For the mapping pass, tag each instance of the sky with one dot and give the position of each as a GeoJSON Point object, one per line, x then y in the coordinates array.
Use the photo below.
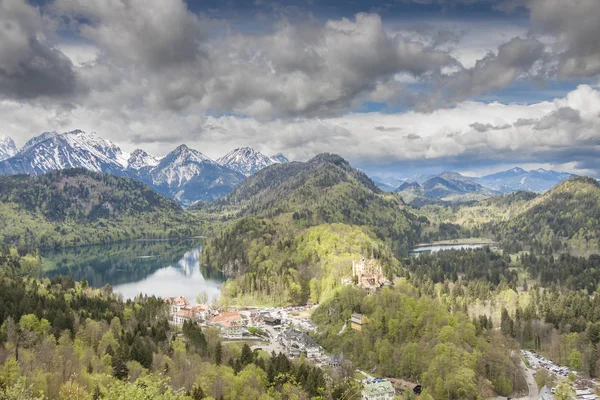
{"type": "Point", "coordinates": [397, 87]}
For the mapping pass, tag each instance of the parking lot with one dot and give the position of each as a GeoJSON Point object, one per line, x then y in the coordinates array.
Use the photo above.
{"type": "Point", "coordinates": [536, 361]}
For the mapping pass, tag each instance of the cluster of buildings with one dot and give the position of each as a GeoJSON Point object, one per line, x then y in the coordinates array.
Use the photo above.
{"type": "Point", "coordinates": [297, 343]}
{"type": "Point", "coordinates": [231, 323]}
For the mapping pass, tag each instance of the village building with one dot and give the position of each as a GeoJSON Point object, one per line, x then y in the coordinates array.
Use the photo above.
{"type": "Point", "coordinates": [297, 343]}
{"type": "Point", "coordinates": [357, 321]}
{"type": "Point", "coordinates": [336, 360]}
{"type": "Point", "coordinates": [378, 390]}
{"type": "Point", "coordinates": [180, 310]}
{"type": "Point", "coordinates": [202, 312]}
{"type": "Point", "coordinates": [368, 274]}
{"type": "Point", "coordinates": [230, 323]}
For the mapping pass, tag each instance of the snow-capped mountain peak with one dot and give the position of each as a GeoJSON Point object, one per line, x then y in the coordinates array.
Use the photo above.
{"type": "Point", "coordinates": [76, 149]}
{"type": "Point", "coordinates": [7, 147]}
{"type": "Point", "coordinates": [247, 161]}
{"type": "Point", "coordinates": [185, 154]}
{"type": "Point", "coordinates": [140, 159]}
{"type": "Point", "coordinates": [280, 158]}
{"type": "Point", "coordinates": [180, 166]}
{"type": "Point", "coordinates": [38, 139]}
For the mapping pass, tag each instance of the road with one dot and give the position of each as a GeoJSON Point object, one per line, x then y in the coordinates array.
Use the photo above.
{"type": "Point", "coordinates": [533, 389]}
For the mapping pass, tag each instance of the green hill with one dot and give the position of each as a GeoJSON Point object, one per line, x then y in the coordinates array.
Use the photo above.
{"type": "Point", "coordinates": [331, 210]}
{"type": "Point", "coordinates": [325, 189]}
{"type": "Point", "coordinates": [75, 207]}
{"type": "Point", "coordinates": [568, 216]}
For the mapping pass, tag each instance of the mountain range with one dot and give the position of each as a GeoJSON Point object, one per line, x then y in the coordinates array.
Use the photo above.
{"type": "Point", "coordinates": [452, 187]}
{"type": "Point", "coordinates": [185, 174]}
{"type": "Point", "coordinates": [517, 179]}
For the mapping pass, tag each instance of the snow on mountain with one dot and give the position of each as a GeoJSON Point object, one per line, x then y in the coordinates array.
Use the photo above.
{"type": "Point", "coordinates": [248, 161]}
{"type": "Point", "coordinates": [188, 176]}
{"type": "Point", "coordinates": [179, 167]}
{"type": "Point", "coordinates": [280, 158]}
{"type": "Point", "coordinates": [516, 179]}
{"type": "Point", "coordinates": [38, 139]}
{"type": "Point", "coordinates": [140, 159]}
{"type": "Point", "coordinates": [7, 147]}
{"type": "Point", "coordinates": [76, 149]}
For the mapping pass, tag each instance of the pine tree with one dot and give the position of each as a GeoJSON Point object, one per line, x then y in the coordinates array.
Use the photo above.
{"type": "Point", "coordinates": [218, 353]}
{"type": "Point", "coordinates": [119, 368]}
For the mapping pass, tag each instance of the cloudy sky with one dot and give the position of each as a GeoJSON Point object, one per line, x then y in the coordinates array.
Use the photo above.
{"type": "Point", "coordinates": [396, 86]}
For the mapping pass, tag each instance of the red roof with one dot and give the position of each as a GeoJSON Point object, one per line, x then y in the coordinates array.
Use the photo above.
{"type": "Point", "coordinates": [227, 318]}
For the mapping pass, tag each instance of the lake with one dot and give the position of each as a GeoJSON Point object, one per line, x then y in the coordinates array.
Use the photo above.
{"type": "Point", "coordinates": [160, 268]}
{"type": "Point", "coordinates": [440, 247]}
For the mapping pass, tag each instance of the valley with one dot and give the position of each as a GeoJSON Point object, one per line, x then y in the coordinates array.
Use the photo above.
{"type": "Point", "coordinates": [489, 274]}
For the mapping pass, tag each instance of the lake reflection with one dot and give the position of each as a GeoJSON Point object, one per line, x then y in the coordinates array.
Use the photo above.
{"type": "Point", "coordinates": [161, 268]}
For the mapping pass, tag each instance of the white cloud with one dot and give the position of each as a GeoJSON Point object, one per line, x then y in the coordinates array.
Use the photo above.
{"type": "Point", "coordinates": [565, 130]}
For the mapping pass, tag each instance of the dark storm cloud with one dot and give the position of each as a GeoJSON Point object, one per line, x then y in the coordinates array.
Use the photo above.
{"type": "Point", "coordinates": [30, 66]}
{"type": "Point", "coordinates": [563, 114]}
{"type": "Point", "coordinates": [495, 71]}
{"type": "Point", "coordinates": [297, 69]}
{"type": "Point", "coordinates": [574, 24]}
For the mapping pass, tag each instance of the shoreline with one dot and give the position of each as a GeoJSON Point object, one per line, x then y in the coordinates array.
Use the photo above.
{"type": "Point", "coordinates": [467, 241]}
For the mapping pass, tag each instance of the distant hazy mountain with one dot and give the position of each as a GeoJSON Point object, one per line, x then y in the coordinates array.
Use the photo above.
{"type": "Point", "coordinates": [280, 158]}
{"type": "Point", "coordinates": [517, 179]}
{"type": "Point", "coordinates": [248, 161]}
{"type": "Point", "coordinates": [7, 148]}
{"type": "Point", "coordinates": [447, 186]}
{"type": "Point", "coordinates": [385, 183]}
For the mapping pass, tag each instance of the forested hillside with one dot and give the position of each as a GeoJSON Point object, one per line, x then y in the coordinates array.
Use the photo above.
{"type": "Point", "coordinates": [303, 222]}
{"type": "Point", "coordinates": [415, 337]}
{"type": "Point", "coordinates": [325, 189]}
{"type": "Point", "coordinates": [75, 207]}
{"type": "Point", "coordinates": [566, 218]}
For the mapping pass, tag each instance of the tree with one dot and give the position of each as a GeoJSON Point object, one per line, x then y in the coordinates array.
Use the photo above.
{"type": "Point", "coordinates": [218, 353]}
{"type": "Point", "coordinates": [575, 360]}
{"type": "Point", "coordinates": [119, 368]}
{"type": "Point", "coordinates": [247, 356]}
{"type": "Point", "coordinates": [202, 298]}
{"type": "Point", "coordinates": [564, 391]}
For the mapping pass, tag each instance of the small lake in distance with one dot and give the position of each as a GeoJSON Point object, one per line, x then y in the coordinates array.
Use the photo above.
{"type": "Point", "coordinates": [439, 247]}
{"type": "Point", "coordinates": [160, 268]}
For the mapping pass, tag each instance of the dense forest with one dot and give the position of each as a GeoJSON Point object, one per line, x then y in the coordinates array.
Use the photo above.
{"type": "Point", "coordinates": [270, 268]}
{"type": "Point", "coordinates": [77, 207]}
{"type": "Point", "coordinates": [412, 336]}
{"type": "Point", "coordinates": [545, 303]}
{"type": "Point", "coordinates": [63, 339]}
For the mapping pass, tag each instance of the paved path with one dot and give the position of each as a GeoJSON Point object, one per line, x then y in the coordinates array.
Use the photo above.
{"type": "Point", "coordinates": [533, 389]}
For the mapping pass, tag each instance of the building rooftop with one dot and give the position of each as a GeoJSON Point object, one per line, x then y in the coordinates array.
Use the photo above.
{"type": "Point", "coordinates": [378, 388]}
